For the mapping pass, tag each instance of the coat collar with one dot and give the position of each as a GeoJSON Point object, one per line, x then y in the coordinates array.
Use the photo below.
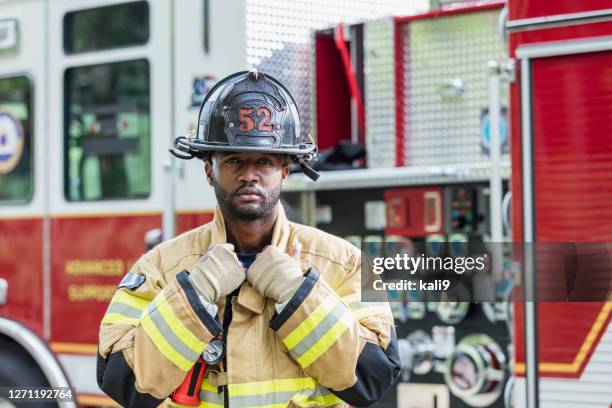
{"type": "Point", "coordinates": [248, 297]}
{"type": "Point", "coordinates": [281, 234]}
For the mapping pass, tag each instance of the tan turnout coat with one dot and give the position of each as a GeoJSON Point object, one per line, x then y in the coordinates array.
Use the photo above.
{"type": "Point", "coordinates": [291, 358]}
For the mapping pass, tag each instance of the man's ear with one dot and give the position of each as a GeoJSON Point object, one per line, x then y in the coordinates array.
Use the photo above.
{"type": "Point", "coordinates": [285, 173]}
{"type": "Point", "coordinates": [208, 169]}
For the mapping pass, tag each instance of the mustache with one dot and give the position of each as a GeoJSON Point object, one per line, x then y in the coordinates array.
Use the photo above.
{"type": "Point", "coordinates": [259, 190]}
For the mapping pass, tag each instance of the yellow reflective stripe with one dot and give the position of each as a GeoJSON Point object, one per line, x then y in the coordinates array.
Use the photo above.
{"type": "Point", "coordinates": [328, 399]}
{"type": "Point", "coordinates": [123, 296]}
{"type": "Point", "coordinates": [163, 346]}
{"type": "Point", "coordinates": [310, 322]}
{"type": "Point", "coordinates": [179, 328]}
{"type": "Point", "coordinates": [123, 301]}
{"type": "Point", "coordinates": [326, 340]}
{"type": "Point", "coordinates": [117, 318]}
{"type": "Point", "coordinates": [209, 395]}
{"type": "Point", "coordinates": [332, 318]}
{"type": "Point", "coordinates": [309, 401]}
{"type": "Point", "coordinates": [209, 405]}
{"type": "Point", "coordinates": [264, 387]}
{"type": "Point", "coordinates": [265, 394]}
{"type": "Point", "coordinates": [206, 386]}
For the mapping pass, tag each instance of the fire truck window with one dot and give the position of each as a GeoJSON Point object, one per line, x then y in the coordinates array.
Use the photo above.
{"type": "Point", "coordinates": [16, 154]}
{"type": "Point", "coordinates": [107, 131]}
{"type": "Point", "coordinates": [107, 27]}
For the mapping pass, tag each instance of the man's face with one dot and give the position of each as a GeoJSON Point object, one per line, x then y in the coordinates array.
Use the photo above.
{"type": "Point", "coordinates": [247, 185]}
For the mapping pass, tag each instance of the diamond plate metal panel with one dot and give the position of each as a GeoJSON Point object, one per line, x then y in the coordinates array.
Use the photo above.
{"type": "Point", "coordinates": [445, 86]}
{"type": "Point", "coordinates": [279, 33]}
{"type": "Point", "coordinates": [379, 57]}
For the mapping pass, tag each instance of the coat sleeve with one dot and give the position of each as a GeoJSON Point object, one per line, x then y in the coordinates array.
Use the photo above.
{"type": "Point", "coordinates": [348, 346]}
{"type": "Point", "coordinates": [151, 335]}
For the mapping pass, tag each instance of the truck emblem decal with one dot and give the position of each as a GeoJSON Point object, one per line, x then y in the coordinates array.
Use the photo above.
{"type": "Point", "coordinates": [11, 142]}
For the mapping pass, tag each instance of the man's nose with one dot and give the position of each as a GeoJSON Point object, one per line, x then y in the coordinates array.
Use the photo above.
{"type": "Point", "coordinates": [249, 173]}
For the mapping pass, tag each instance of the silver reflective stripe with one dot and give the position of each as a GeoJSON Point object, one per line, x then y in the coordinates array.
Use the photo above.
{"type": "Point", "coordinates": [308, 395]}
{"type": "Point", "coordinates": [171, 337]}
{"type": "Point", "coordinates": [318, 397]}
{"type": "Point", "coordinates": [124, 309]}
{"type": "Point", "coordinates": [307, 342]}
{"type": "Point", "coordinates": [271, 398]}
{"type": "Point", "coordinates": [321, 391]}
{"type": "Point", "coordinates": [262, 399]}
{"type": "Point", "coordinates": [211, 397]}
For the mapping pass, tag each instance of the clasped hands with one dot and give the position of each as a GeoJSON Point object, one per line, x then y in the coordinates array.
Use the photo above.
{"type": "Point", "coordinates": [274, 273]}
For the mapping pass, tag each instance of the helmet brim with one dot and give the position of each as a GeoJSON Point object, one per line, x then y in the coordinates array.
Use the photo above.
{"type": "Point", "coordinates": [210, 147]}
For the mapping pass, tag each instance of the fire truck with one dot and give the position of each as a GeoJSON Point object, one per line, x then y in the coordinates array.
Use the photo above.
{"type": "Point", "coordinates": [481, 121]}
{"type": "Point", "coordinates": [560, 175]}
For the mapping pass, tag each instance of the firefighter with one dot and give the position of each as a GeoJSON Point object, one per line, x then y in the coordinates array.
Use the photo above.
{"type": "Point", "coordinates": [274, 305]}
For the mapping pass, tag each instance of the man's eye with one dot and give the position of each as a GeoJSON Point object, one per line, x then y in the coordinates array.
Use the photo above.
{"type": "Point", "coordinates": [232, 161]}
{"type": "Point", "coordinates": [264, 161]}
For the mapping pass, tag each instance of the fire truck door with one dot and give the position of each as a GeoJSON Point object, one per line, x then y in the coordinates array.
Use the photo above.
{"type": "Point", "coordinates": [22, 164]}
{"type": "Point", "coordinates": [566, 94]}
{"type": "Point", "coordinates": [109, 126]}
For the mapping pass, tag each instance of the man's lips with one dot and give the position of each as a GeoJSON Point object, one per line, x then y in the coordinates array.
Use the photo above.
{"type": "Point", "coordinates": [248, 191]}
{"type": "Point", "coordinates": [247, 197]}
{"type": "Point", "coordinates": [248, 194]}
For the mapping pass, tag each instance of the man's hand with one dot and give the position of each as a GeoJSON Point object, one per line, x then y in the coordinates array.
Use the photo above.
{"type": "Point", "coordinates": [275, 274]}
{"type": "Point", "coordinates": [217, 273]}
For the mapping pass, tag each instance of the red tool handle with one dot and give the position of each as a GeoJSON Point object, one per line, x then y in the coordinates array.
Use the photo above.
{"type": "Point", "coordinates": [188, 393]}
{"type": "Point", "coordinates": [351, 77]}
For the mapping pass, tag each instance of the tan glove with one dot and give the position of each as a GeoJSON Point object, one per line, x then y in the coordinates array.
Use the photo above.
{"type": "Point", "coordinates": [217, 273]}
{"type": "Point", "coordinates": [275, 274]}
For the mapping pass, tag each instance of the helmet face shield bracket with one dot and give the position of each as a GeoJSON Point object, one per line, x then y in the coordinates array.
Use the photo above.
{"type": "Point", "coordinates": [249, 112]}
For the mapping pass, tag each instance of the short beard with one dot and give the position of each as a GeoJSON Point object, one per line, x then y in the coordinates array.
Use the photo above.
{"type": "Point", "coordinates": [268, 202]}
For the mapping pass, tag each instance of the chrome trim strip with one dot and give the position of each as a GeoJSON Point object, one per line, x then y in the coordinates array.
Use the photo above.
{"type": "Point", "coordinates": [45, 183]}
{"type": "Point", "coordinates": [559, 20]}
{"type": "Point", "coordinates": [531, 316]}
{"type": "Point", "coordinates": [557, 48]}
